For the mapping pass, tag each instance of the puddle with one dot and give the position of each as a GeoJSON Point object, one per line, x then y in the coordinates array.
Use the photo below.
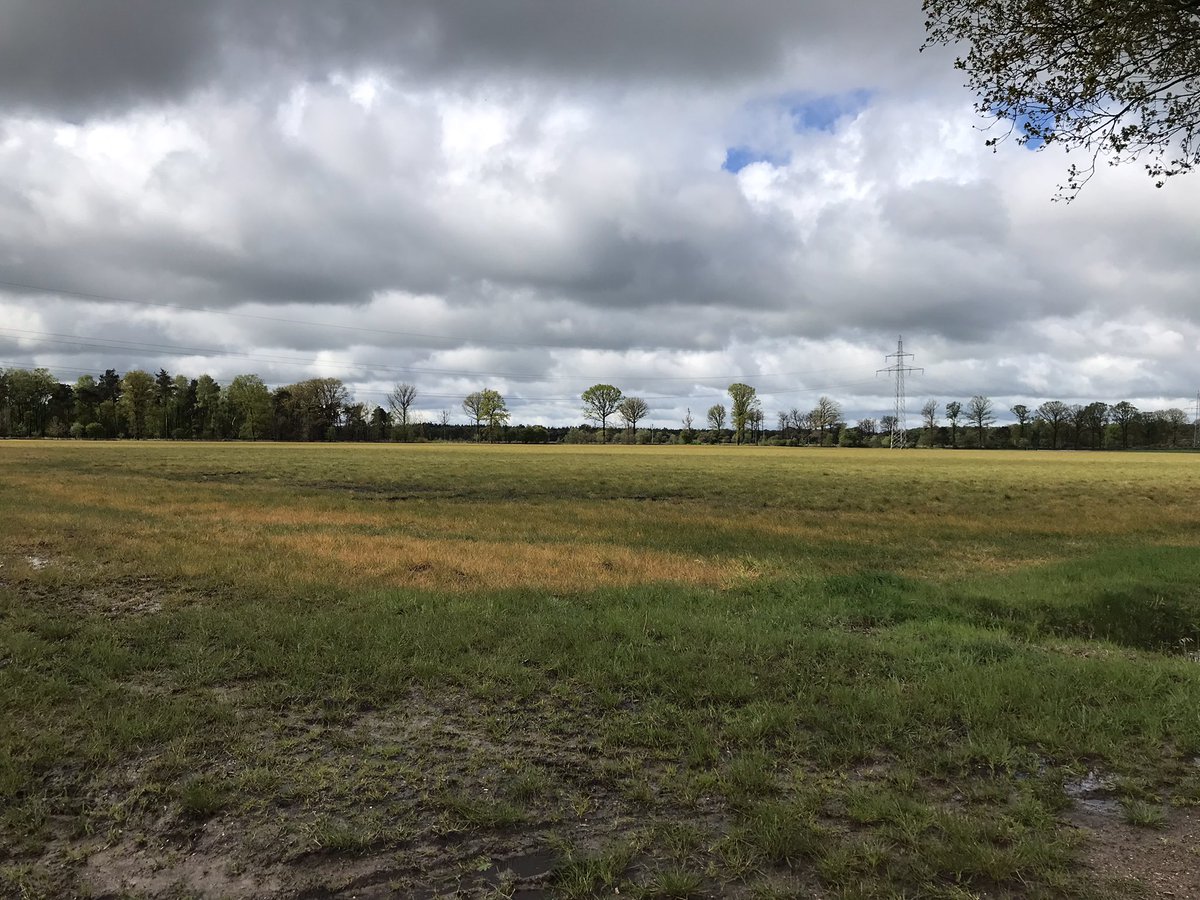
{"type": "Point", "coordinates": [37, 563]}
{"type": "Point", "coordinates": [1093, 792]}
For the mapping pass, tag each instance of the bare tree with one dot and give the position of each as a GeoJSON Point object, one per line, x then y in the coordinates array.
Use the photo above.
{"type": "Point", "coordinates": [1054, 413]}
{"type": "Point", "coordinates": [979, 411]}
{"type": "Point", "coordinates": [632, 410]}
{"type": "Point", "coordinates": [825, 415]}
{"type": "Point", "coordinates": [401, 399]}
{"type": "Point", "coordinates": [929, 414]}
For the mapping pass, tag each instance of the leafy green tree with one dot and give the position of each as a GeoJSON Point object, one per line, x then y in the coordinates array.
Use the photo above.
{"type": "Point", "coordinates": [716, 420]}
{"type": "Point", "coordinates": [1116, 79]}
{"type": "Point", "coordinates": [742, 401]}
{"type": "Point", "coordinates": [109, 385]}
{"type": "Point", "coordinates": [953, 413]}
{"type": "Point", "coordinates": [599, 402]}
{"type": "Point", "coordinates": [495, 412]}
{"type": "Point", "coordinates": [87, 399]}
{"type": "Point", "coordinates": [632, 410]}
{"type": "Point", "coordinates": [208, 401]}
{"type": "Point", "coordinates": [381, 423]}
{"type": "Point", "coordinates": [486, 406]}
{"type": "Point", "coordinates": [183, 407]}
{"type": "Point", "coordinates": [354, 424]}
{"type": "Point", "coordinates": [315, 407]}
{"type": "Point", "coordinates": [164, 393]}
{"type": "Point", "coordinates": [137, 391]}
{"type": "Point", "coordinates": [5, 403]}
{"type": "Point", "coordinates": [250, 405]}
{"type": "Point", "coordinates": [29, 394]}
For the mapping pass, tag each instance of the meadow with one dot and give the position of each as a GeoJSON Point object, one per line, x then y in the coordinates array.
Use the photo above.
{"type": "Point", "coordinates": [252, 670]}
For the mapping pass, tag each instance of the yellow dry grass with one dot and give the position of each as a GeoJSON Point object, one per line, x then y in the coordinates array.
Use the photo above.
{"type": "Point", "coordinates": [462, 565]}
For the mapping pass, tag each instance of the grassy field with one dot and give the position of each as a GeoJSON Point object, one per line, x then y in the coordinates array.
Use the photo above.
{"type": "Point", "coordinates": [367, 671]}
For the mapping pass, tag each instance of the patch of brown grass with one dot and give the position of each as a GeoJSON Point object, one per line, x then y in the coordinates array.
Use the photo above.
{"type": "Point", "coordinates": [464, 565]}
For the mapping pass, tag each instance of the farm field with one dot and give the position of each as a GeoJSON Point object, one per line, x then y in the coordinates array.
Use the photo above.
{"type": "Point", "coordinates": [254, 670]}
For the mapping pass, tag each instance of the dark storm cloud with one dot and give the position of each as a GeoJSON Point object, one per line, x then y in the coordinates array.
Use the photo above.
{"type": "Point", "coordinates": [76, 57]}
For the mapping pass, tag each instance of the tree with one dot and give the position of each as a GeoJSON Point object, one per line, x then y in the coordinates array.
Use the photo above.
{"type": "Point", "coordinates": [401, 399]}
{"type": "Point", "coordinates": [28, 397]}
{"type": "Point", "coordinates": [1175, 419]}
{"type": "Point", "coordinates": [381, 423]}
{"type": "Point", "coordinates": [1117, 79]}
{"type": "Point", "coordinates": [250, 403]}
{"type": "Point", "coordinates": [979, 411]}
{"type": "Point", "coordinates": [1095, 417]}
{"type": "Point", "coordinates": [755, 420]}
{"type": "Point", "coordinates": [1054, 413]}
{"type": "Point", "coordinates": [599, 402]}
{"type": "Point", "coordinates": [137, 387]}
{"type": "Point", "coordinates": [208, 398]}
{"type": "Point", "coordinates": [164, 391]}
{"type": "Point", "coordinates": [315, 407]}
{"type": "Point", "coordinates": [953, 411]}
{"type": "Point", "coordinates": [495, 411]}
{"type": "Point", "coordinates": [743, 401]}
{"type": "Point", "coordinates": [1124, 414]}
{"type": "Point", "coordinates": [486, 406]}
{"type": "Point", "coordinates": [716, 419]}
{"type": "Point", "coordinates": [474, 408]}
{"type": "Point", "coordinates": [1021, 411]}
{"type": "Point", "coordinates": [929, 415]}
{"type": "Point", "coordinates": [87, 399]}
{"type": "Point", "coordinates": [825, 415]}
{"type": "Point", "coordinates": [109, 386]}
{"type": "Point", "coordinates": [687, 434]}
{"type": "Point", "coordinates": [632, 410]}
{"type": "Point", "coordinates": [1077, 415]}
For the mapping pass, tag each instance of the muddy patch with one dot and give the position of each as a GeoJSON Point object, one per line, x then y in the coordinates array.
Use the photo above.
{"type": "Point", "coordinates": [1155, 862]}
{"type": "Point", "coordinates": [436, 796]}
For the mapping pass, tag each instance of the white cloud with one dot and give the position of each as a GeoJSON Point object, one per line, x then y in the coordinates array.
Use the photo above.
{"type": "Point", "coordinates": [562, 218]}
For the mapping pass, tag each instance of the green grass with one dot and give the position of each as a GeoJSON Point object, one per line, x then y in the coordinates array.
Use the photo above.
{"type": "Point", "coordinates": [689, 671]}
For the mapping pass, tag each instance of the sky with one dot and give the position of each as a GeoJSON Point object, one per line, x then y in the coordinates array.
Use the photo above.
{"type": "Point", "coordinates": [536, 197]}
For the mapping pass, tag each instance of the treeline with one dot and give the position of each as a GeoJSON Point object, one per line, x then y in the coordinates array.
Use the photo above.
{"type": "Point", "coordinates": [138, 405]}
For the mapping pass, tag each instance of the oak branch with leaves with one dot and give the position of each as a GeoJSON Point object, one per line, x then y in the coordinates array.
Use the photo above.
{"type": "Point", "coordinates": [1115, 80]}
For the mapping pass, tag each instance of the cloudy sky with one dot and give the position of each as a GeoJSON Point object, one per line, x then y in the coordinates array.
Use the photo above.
{"type": "Point", "coordinates": [539, 196]}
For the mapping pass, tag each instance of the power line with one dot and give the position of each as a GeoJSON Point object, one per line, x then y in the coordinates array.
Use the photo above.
{"type": "Point", "coordinates": [99, 343]}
